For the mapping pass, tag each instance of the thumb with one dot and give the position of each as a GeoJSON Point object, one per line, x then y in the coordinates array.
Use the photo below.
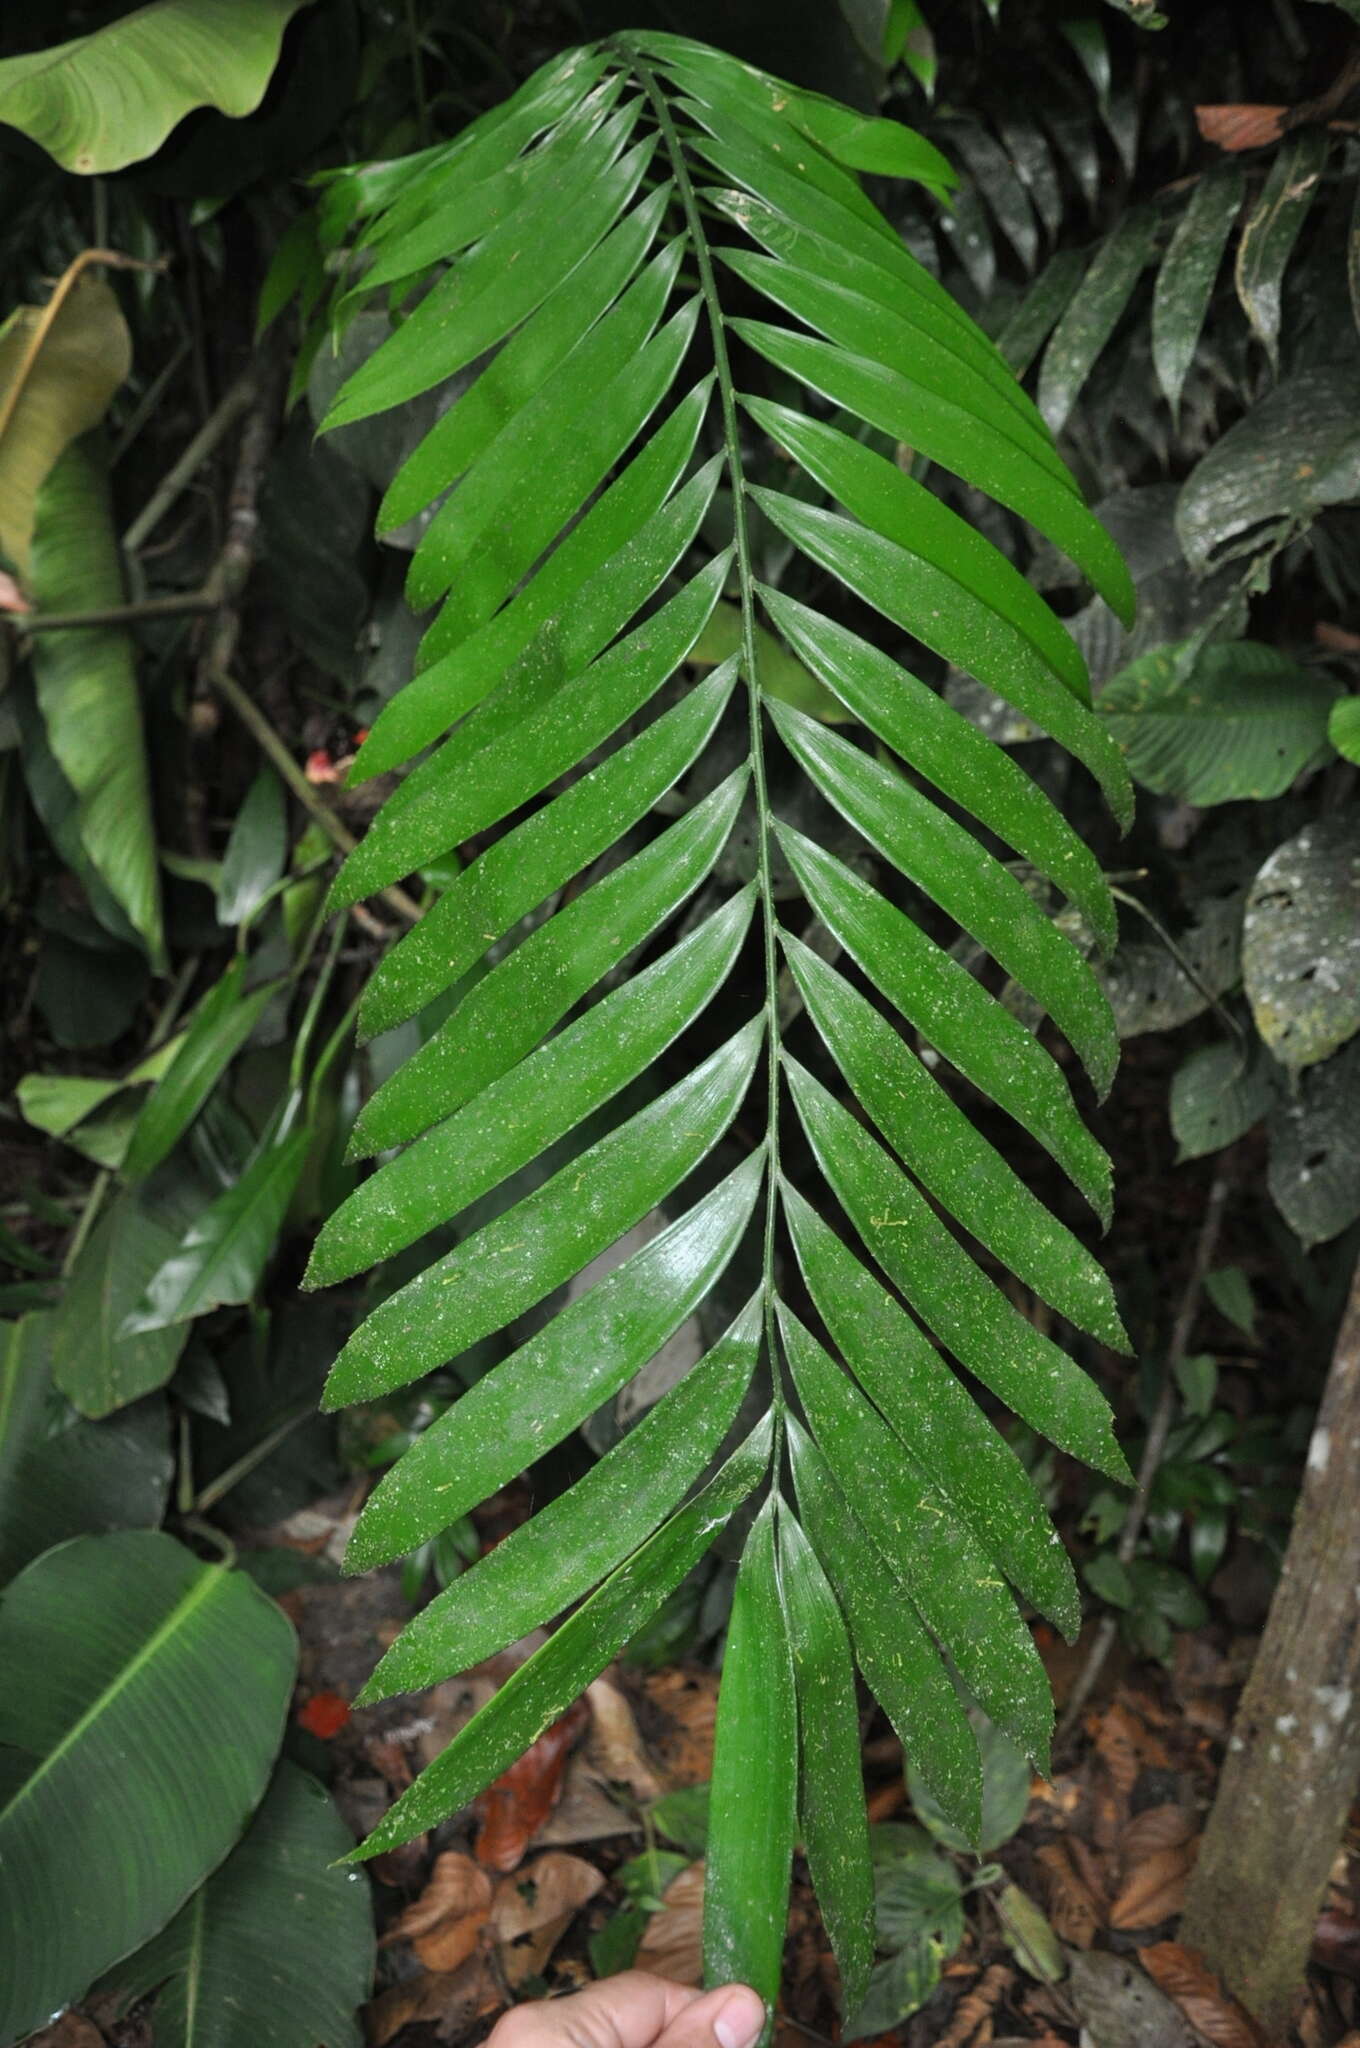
{"type": "Point", "coordinates": [731, 2017]}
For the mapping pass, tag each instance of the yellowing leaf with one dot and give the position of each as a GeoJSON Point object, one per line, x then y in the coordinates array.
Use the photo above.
{"type": "Point", "coordinates": [58, 371]}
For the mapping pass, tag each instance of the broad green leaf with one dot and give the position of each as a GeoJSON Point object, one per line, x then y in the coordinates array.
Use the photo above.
{"type": "Point", "coordinates": [952, 1581]}
{"type": "Point", "coordinates": [516, 1005]}
{"type": "Point", "coordinates": [1185, 281]}
{"type": "Point", "coordinates": [934, 1138]}
{"type": "Point", "coordinates": [513, 1262]}
{"type": "Point", "coordinates": [238, 1965]}
{"type": "Point", "coordinates": [86, 684]}
{"type": "Point", "coordinates": [753, 1803]}
{"type": "Point", "coordinates": [899, 1987]}
{"type": "Point", "coordinates": [552, 1383]}
{"type": "Point", "coordinates": [935, 1417]}
{"type": "Point", "coordinates": [57, 376]}
{"type": "Point", "coordinates": [952, 1011]}
{"type": "Point", "coordinates": [158, 1672]}
{"type": "Point", "coordinates": [110, 98]}
{"type": "Point", "coordinates": [831, 1812]}
{"type": "Point", "coordinates": [523, 868]}
{"type": "Point", "coordinates": [1314, 1170]}
{"type": "Point", "coordinates": [1230, 1292]}
{"type": "Point", "coordinates": [222, 1256]}
{"type": "Point", "coordinates": [221, 1025]}
{"type": "Point", "coordinates": [96, 1367]}
{"type": "Point", "coordinates": [944, 861]}
{"type": "Point", "coordinates": [949, 751]}
{"type": "Point", "coordinates": [536, 1103]}
{"type": "Point", "coordinates": [1217, 1095]}
{"type": "Point", "coordinates": [1301, 942]}
{"type": "Point", "coordinates": [1217, 724]}
{"type": "Point", "coordinates": [966, 1310]}
{"type": "Point", "coordinates": [581, 1535]}
{"type": "Point", "coordinates": [61, 1476]}
{"type": "Point", "coordinates": [891, 1647]}
{"type": "Point", "coordinates": [87, 1112]}
{"type": "Point", "coordinates": [1343, 727]}
{"type": "Point", "coordinates": [1092, 314]}
{"type": "Point", "coordinates": [544, 1687]}
{"type": "Point", "coordinates": [256, 851]}
{"type": "Point", "coordinates": [1296, 451]}
{"type": "Point", "coordinates": [1272, 228]}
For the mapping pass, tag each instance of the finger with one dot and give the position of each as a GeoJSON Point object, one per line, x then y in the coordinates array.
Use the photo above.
{"type": "Point", "coordinates": [730, 2017]}
{"type": "Point", "coordinates": [633, 2010]}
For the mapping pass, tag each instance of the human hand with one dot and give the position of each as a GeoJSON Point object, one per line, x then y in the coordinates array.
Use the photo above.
{"type": "Point", "coordinates": [636, 2011]}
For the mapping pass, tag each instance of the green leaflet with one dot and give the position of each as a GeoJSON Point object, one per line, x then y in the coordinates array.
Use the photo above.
{"type": "Point", "coordinates": [1272, 228]}
{"type": "Point", "coordinates": [754, 1786]}
{"type": "Point", "coordinates": [221, 1025]}
{"type": "Point", "coordinates": [832, 1819]}
{"type": "Point", "coordinates": [534, 1696]}
{"type": "Point", "coordinates": [583, 256]}
{"type": "Point", "coordinates": [555, 1557]}
{"type": "Point", "coordinates": [1185, 281]}
{"type": "Point", "coordinates": [1092, 314]}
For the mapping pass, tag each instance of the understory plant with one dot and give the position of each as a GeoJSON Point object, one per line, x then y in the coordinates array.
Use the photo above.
{"type": "Point", "coordinates": [695, 971]}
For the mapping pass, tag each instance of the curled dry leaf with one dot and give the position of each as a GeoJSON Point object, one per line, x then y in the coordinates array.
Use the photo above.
{"type": "Point", "coordinates": [614, 1747]}
{"type": "Point", "coordinates": [532, 1910]}
{"type": "Point", "coordinates": [973, 2013]}
{"type": "Point", "coordinates": [673, 1945]}
{"type": "Point", "coordinates": [1156, 1827]}
{"type": "Point", "coordinates": [511, 1810]}
{"type": "Point", "coordinates": [1185, 1976]}
{"type": "Point", "coordinates": [1121, 1743]}
{"type": "Point", "coordinates": [1072, 1906]}
{"type": "Point", "coordinates": [676, 1712]}
{"type": "Point", "coordinates": [444, 1924]}
{"type": "Point", "coordinates": [1155, 1890]}
{"type": "Point", "coordinates": [451, 2003]}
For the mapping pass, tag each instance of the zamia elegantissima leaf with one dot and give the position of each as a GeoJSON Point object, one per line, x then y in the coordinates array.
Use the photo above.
{"type": "Point", "coordinates": [682, 343]}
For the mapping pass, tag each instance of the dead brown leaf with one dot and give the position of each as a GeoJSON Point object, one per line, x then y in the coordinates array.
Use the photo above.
{"type": "Point", "coordinates": [1072, 1907]}
{"type": "Point", "coordinates": [676, 1711]}
{"type": "Point", "coordinates": [1336, 1943]}
{"type": "Point", "coordinates": [673, 1945]}
{"type": "Point", "coordinates": [450, 2002]}
{"type": "Point", "coordinates": [614, 1747]}
{"type": "Point", "coordinates": [972, 2017]}
{"type": "Point", "coordinates": [532, 1910]}
{"type": "Point", "coordinates": [1155, 1890]}
{"type": "Point", "coordinates": [1120, 1740]}
{"type": "Point", "coordinates": [1185, 1976]}
{"type": "Point", "coordinates": [1240, 127]}
{"type": "Point", "coordinates": [1156, 1827]}
{"type": "Point", "coordinates": [444, 1924]}
{"type": "Point", "coordinates": [72, 2030]}
{"type": "Point", "coordinates": [511, 1811]}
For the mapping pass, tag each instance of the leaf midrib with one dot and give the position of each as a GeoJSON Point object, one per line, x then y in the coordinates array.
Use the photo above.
{"type": "Point", "coordinates": [178, 1616]}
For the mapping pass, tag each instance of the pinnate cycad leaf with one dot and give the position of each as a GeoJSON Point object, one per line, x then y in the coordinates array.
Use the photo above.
{"type": "Point", "coordinates": [663, 273]}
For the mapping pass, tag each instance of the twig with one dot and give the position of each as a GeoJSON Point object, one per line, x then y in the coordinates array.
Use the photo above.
{"type": "Point", "coordinates": [173, 605]}
{"type": "Point", "coordinates": [234, 401]}
{"type": "Point", "coordinates": [1158, 1430]}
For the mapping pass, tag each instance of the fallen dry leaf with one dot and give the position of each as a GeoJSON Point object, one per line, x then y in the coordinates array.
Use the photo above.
{"type": "Point", "coordinates": [1240, 127]}
{"type": "Point", "coordinates": [676, 1711]}
{"type": "Point", "coordinates": [1156, 1827]}
{"type": "Point", "coordinates": [673, 1945]}
{"type": "Point", "coordinates": [1185, 1976]}
{"type": "Point", "coordinates": [1155, 1890]}
{"type": "Point", "coordinates": [532, 1910]}
{"type": "Point", "coordinates": [974, 2010]}
{"type": "Point", "coordinates": [72, 2030]}
{"type": "Point", "coordinates": [1072, 1907]}
{"type": "Point", "coordinates": [444, 1924]}
{"type": "Point", "coordinates": [1120, 1739]}
{"type": "Point", "coordinates": [450, 2002]}
{"type": "Point", "coordinates": [614, 1747]}
{"type": "Point", "coordinates": [511, 1810]}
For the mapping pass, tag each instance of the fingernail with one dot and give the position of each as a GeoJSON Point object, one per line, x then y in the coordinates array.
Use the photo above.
{"type": "Point", "coordinates": [739, 2019]}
